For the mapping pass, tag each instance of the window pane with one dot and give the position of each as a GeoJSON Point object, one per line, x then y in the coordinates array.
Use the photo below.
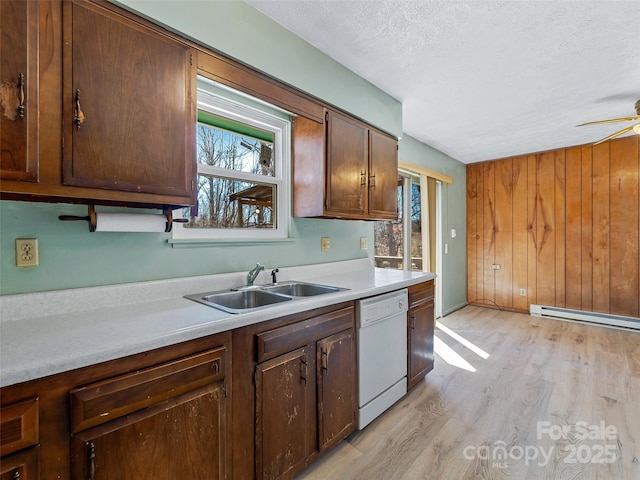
{"type": "Point", "coordinates": [388, 239]}
{"type": "Point", "coordinates": [226, 203]}
{"type": "Point", "coordinates": [226, 149]}
{"type": "Point", "coordinates": [416, 228]}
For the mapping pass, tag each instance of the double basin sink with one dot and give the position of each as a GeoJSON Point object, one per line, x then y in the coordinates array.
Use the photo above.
{"type": "Point", "coordinates": [244, 299]}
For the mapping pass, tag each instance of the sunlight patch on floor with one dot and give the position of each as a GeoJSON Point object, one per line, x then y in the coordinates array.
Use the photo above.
{"type": "Point", "coordinates": [474, 348]}
{"type": "Point", "coordinates": [446, 353]}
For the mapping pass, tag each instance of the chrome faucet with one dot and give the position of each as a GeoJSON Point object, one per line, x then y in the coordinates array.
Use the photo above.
{"type": "Point", "coordinates": [253, 273]}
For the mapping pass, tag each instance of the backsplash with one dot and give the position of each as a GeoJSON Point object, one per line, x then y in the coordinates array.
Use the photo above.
{"type": "Point", "coordinates": [72, 257]}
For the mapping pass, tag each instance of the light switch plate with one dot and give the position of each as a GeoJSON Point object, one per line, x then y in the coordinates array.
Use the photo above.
{"type": "Point", "coordinates": [325, 243]}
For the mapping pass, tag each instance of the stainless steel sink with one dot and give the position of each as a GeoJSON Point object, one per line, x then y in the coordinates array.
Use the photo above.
{"type": "Point", "coordinates": [260, 296]}
{"type": "Point", "coordinates": [235, 301]}
{"type": "Point", "coordinates": [300, 289]}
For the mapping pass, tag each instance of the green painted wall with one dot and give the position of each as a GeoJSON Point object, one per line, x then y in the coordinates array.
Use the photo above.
{"type": "Point", "coordinates": [454, 264]}
{"type": "Point", "coordinates": [71, 256]}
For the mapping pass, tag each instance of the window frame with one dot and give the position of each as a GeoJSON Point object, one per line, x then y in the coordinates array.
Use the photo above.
{"type": "Point", "coordinates": [236, 106]}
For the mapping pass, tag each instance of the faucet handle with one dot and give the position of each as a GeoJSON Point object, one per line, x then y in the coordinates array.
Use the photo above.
{"type": "Point", "coordinates": [273, 275]}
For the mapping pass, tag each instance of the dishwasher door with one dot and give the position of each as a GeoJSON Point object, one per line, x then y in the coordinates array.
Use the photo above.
{"type": "Point", "coordinates": [382, 354]}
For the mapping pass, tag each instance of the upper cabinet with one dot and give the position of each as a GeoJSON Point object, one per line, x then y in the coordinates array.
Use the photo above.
{"type": "Point", "coordinates": [383, 176]}
{"type": "Point", "coordinates": [347, 166]}
{"type": "Point", "coordinates": [344, 169]}
{"type": "Point", "coordinates": [98, 105]}
{"type": "Point", "coordinates": [128, 114]}
{"type": "Point", "coordinates": [19, 90]}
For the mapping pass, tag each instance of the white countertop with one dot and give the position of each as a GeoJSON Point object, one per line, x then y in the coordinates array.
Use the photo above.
{"type": "Point", "coordinates": [46, 333]}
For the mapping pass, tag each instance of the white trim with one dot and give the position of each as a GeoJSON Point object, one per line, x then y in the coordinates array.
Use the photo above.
{"type": "Point", "coordinates": [407, 183]}
{"type": "Point", "coordinates": [439, 251]}
{"type": "Point", "coordinates": [212, 99]}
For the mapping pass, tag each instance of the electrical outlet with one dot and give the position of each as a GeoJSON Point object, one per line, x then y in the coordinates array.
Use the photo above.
{"type": "Point", "coordinates": [523, 292]}
{"type": "Point", "coordinates": [364, 243]}
{"type": "Point", "coordinates": [325, 243]}
{"type": "Point", "coordinates": [26, 252]}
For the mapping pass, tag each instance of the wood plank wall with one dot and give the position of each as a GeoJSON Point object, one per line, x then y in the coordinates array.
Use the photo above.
{"type": "Point", "coordinates": [563, 225]}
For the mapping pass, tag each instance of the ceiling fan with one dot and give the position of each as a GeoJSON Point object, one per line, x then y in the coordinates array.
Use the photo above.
{"type": "Point", "coordinates": [635, 128]}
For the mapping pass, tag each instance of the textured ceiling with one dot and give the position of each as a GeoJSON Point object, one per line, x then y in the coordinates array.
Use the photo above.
{"type": "Point", "coordinates": [484, 79]}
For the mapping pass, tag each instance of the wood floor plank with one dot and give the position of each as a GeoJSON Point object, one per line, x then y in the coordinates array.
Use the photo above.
{"type": "Point", "coordinates": [541, 375]}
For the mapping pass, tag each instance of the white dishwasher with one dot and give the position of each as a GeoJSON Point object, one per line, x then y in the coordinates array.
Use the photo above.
{"type": "Point", "coordinates": [382, 353]}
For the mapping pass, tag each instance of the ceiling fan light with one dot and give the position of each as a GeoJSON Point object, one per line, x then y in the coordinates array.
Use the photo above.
{"type": "Point", "coordinates": [636, 128]}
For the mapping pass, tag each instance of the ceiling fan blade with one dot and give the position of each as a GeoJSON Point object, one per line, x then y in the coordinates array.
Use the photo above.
{"type": "Point", "coordinates": [625, 119]}
{"type": "Point", "coordinates": [624, 130]}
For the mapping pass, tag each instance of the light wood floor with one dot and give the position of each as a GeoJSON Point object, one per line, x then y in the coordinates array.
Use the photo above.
{"type": "Point", "coordinates": [453, 424]}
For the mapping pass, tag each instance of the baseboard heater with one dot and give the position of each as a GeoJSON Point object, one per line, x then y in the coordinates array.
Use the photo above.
{"type": "Point", "coordinates": [603, 319]}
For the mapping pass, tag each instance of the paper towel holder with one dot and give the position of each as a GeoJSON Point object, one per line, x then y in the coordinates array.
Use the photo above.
{"type": "Point", "coordinates": [92, 218]}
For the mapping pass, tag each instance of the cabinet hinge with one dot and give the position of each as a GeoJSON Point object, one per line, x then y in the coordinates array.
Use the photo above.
{"type": "Point", "coordinates": [191, 59]}
{"type": "Point", "coordinates": [224, 389]}
{"type": "Point", "coordinates": [326, 116]}
{"type": "Point", "coordinates": [193, 184]}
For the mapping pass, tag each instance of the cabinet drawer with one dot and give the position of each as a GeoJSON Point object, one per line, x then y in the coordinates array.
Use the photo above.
{"type": "Point", "coordinates": [109, 399]}
{"type": "Point", "coordinates": [421, 293]}
{"type": "Point", "coordinates": [285, 339]}
{"type": "Point", "coordinates": [18, 426]}
{"type": "Point", "coordinates": [21, 466]}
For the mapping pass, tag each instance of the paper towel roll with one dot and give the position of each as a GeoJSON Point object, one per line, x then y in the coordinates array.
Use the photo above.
{"type": "Point", "coordinates": [130, 222]}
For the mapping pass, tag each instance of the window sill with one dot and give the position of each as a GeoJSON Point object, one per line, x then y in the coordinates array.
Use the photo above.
{"type": "Point", "coordinates": [216, 242]}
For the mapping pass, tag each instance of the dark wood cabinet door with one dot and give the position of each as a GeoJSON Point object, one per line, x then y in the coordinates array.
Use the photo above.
{"type": "Point", "coordinates": [308, 149]}
{"type": "Point", "coordinates": [286, 415]}
{"type": "Point", "coordinates": [383, 176]}
{"type": "Point", "coordinates": [337, 384]}
{"type": "Point", "coordinates": [421, 327]}
{"type": "Point", "coordinates": [19, 90]}
{"type": "Point", "coordinates": [22, 465]}
{"type": "Point", "coordinates": [347, 166]}
{"type": "Point", "coordinates": [181, 438]}
{"type": "Point", "coordinates": [129, 107]}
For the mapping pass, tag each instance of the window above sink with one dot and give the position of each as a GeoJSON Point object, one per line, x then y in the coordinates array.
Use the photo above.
{"type": "Point", "coordinates": [243, 151]}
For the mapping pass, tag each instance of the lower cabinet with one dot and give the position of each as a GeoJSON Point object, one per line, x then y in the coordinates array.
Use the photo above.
{"type": "Point", "coordinates": [172, 412]}
{"type": "Point", "coordinates": [286, 415]}
{"type": "Point", "coordinates": [420, 332]}
{"type": "Point", "coordinates": [162, 414]}
{"type": "Point", "coordinates": [19, 437]}
{"type": "Point", "coordinates": [177, 441]}
{"type": "Point", "coordinates": [164, 422]}
{"type": "Point", "coordinates": [337, 384]}
{"type": "Point", "coordinates": [20, 466]}
{"type": "Point", "coordinates": [305, 392]}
